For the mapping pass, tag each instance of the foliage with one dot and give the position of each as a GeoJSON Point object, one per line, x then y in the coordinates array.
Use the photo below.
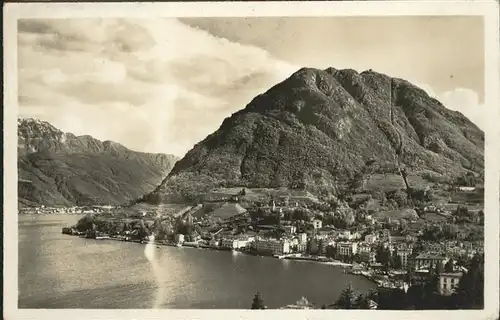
{"type": "Point", "coordinates": [257, 302]}
{"type": "Point", "coordinates": [398, 197]}
{"type": "Point", "coordinates": [351, 299]}
{"type": "Point", "coordinates": [448, 267]}
{"type": "Point", "coordinates": [446, 231]}
{"type": "Point", "coordinates": [468, 295]}
{"type": "Point", "coordinates": [85, 223]}
{"type": "Point", "coordinates": [470, 291]}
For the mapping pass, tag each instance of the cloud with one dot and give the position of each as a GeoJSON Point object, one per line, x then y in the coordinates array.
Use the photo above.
{"type": "Point", "coordinates": [152, 85]}
{"type": "Point", "coordinates": [465, 101]}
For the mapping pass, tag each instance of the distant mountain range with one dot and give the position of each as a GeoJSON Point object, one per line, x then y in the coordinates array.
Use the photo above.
{"type": "Point", "coordinates": [321, 128]}
{"type": "Point", "coordinates": [57, 168]}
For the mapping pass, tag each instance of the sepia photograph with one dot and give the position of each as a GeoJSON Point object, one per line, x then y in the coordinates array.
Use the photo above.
{"type": "Point", "coordinates": [252, 159]}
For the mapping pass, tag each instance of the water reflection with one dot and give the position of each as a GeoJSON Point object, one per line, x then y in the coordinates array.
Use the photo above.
{"type": "Point", "coordinates": [285, 263]}
{"type": "Point", "coordinates": [234, 255]}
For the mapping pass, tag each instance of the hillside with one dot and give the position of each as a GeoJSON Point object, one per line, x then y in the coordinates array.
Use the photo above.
{"type": "Point", "coordinates": [319, 128]}
{"type": "Point", "coordinates": [57, 168]}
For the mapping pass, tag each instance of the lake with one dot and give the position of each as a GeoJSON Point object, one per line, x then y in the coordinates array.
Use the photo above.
{"type": "Point", "coordinates": [61, 271]}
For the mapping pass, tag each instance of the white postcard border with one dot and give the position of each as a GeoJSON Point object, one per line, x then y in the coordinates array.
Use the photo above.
{"type": "Point", "coordinates": [487, 9]}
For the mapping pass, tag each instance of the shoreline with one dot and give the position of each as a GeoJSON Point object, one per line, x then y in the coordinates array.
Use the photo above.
{"type": "Point", "coordinates": [310, 259]}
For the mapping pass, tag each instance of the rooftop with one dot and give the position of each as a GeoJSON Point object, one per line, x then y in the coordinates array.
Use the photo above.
{"type": "Point", "coordinates": [430, 256]}
{"type": "Point", "coordinates": [451, 274]}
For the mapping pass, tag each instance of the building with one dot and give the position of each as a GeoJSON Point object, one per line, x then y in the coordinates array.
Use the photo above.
{"type": "Point", "coordinates": [236, 243]}
{"type": "Point", "coordinates": [467, 188]}
{"type": "Point", "coordinates": [404, 255]}
{"type": "Point", "coordinates": [290, 229]}
{"type": "Point", "coordinates": [302, 238]}
{"type": "Point", "coordinates": [214, 243]}
{"type": "Point", "coordinates": [420, 277]}
{"type": "Point", "coordinates": [272, 246]}
{"type": "Point", "coordinates": [317, 224]}
{"type": "Point", "coordinates": [367, 257]}
{"type": "Point", "coordinates": [355, 236]}
{"type": "Point", "coordinates": [397, 239]}
{"type": "Point", "coordinates": [245, 242]}
{"type": "Point", "coordinates": [429, 261]}
{"type": "Point", "coordinates": [228, 243]}
{"type": "Point", "coordinates": [325, 231]}
{"type": "Point", "coordinates": [448, 282]}
{"type": "Point", "coordinates": [364, 247]}
{"type": "Point", "coordinates": [343, 234]}
{"type": "Point", "coordinates": [301, 247]}
{"type": "Point", "coordinates": [347, 248]}
{"type": "Point", "coordinates": [371, 238]}
{"type": "Point", "coordinates": [179, 238]}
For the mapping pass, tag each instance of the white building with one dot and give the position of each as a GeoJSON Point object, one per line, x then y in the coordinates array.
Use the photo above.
{"type": "Point", "coordinates": [317, 224]}
{"type": "Point", "coordinates": [236, 243]}
{"type": "Point", "coordinates": [228, 243]}
{"type": "Point", "coordinates": [364, 247]}
{"type": "Point", "coordinates": [429, 261]}
{"type": "Point", "coordinates": [272, 246]}
{"type": "Point", "coordinates": [371, 238]}
{"type": "Point", "coordinates": [405, 255]}
{"type": "Point", "coordinates": [347, 248]}
{"type": "Point", "coordinates": [467, 188]}
{"type": "Point", "coordinates": [343, 234]}
{"type": "Point", "coordinates": [448, 282]}
{"type": "Point", "coordinates": [179, 238]}
{"type": "Point", "coordinates": [302, 237]}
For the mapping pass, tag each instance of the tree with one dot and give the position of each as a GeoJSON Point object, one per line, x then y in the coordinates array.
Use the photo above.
{"type": "Point", "coordinates": [470, 291]}
{"type": "Point", "coordinates": [400, 197]}
{"type": "Point", "coordinates": [125, 227]}
{"type": "Point", "coordinates": [448, 267]}
{"type": "Point", "coordinates": [258, 303]}
{"type": "Point", "coordinates": [383, 256]}
{"type": "Point", "coordinates": [415, 296]}
{"type": "Point", "coordinates": [347, 299]}
{"type": "Point", "coordinates": [143, 229]}
{"type": "Point", "coordinates": [85, 223]}
{"type": "Point", "coordinates": [439, 268]}
{"type": "Point", "coordinates": [362, 302]}
{"type": "Point", "coordinates": [396, 262]}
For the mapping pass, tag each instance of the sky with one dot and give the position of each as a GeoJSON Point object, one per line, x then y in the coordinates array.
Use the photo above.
{"type": "Point", "coordinates": [162, 85]}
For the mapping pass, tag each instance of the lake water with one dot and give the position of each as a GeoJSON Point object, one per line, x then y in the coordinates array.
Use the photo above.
{"type": "Point", "coordinates": [60, 271]}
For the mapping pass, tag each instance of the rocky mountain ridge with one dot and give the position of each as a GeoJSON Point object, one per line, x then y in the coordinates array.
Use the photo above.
{"type": "Point", "coordinates": [58, 168]}
{"type": "Point", "coordinates": [321, 127]}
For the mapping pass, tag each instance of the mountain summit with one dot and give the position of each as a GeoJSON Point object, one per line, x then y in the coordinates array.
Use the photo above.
{"type": "Point", "coordinates": [58, 168]}
{"type": "Point", "coordinates": [324, 126]}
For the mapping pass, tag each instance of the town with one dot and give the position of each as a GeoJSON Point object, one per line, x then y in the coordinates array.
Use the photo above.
{"type": "Point", "coordinates": [436, 240]}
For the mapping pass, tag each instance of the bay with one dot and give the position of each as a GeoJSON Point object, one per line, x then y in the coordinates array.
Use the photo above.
{"type": "Point", "coordinates": [61, 271]}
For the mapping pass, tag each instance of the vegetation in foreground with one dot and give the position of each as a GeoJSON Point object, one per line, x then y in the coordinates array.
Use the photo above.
{"type": "Point", "coordinates": [468, 295]}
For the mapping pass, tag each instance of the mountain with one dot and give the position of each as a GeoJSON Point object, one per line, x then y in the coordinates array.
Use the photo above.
{"type": "Point", "coordinates": [57, 168]}
{"type": "Point", "coordinates": [322, 127]}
